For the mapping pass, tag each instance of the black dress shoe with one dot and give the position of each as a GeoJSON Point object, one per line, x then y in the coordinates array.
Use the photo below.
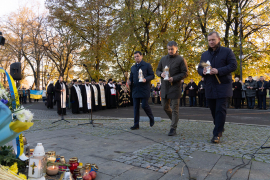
{"type": "Point", "coordinates": [134, 127]}
{"type": "Point", "coordinates": [152, 123]}
{"type": "Point", "coordinates": [172, 132]}
{"type": "Point", "coordinates": [215, 139]}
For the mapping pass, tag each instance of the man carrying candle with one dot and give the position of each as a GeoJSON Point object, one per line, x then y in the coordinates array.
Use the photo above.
{"type": "Point", "coordinates": [171, 89]}
{"type": "Point", "coordinates": [223, 62]}
{"type": "Point", "coordinates": [141, 90]}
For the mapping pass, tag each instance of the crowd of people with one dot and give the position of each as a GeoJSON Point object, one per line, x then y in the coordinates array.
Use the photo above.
{"type": "Point", "coordinates": [216, 89]}
{"type": "Point", "coordinates": [243, 93]}
{"type": "Point", "coordinates": [82, 97]}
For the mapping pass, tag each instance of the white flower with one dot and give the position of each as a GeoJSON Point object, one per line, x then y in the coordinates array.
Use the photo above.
{"type": "Point", "coordinates": [23, 115]}
{"type": "Point", "coordinates": [20, 115]}
{"type": "Point", "coordinates": [29, 115]}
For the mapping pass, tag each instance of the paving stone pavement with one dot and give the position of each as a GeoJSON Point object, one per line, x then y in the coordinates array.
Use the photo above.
{"type": "Point", "coordinates": [148, 153]}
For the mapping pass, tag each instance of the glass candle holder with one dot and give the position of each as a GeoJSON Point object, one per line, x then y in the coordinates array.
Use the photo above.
{"type": "Point", "coordinates": [52, 170]}
{"type": "Point", "coordinates": [51, 156]}
{"type": "Point", "coordinates": [85, 174]}
{"type": "Point", "coordinates": [73, 164]}
{"type": "Point", "coordinates": [76, 173]}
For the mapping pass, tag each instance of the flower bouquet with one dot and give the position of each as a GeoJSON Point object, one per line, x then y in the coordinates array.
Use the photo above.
{"type": "Point", "coordinates": [13, 118]}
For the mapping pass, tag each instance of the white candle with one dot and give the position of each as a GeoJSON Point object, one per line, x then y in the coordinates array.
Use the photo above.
{"type": "Point", "coordinates": [51, 159]}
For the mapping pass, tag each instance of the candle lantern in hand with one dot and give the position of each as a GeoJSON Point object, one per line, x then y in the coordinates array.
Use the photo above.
{"type": "Point", "coordinates": [166, 71]}
{"type": "Point", "coordinates": [141, 77]}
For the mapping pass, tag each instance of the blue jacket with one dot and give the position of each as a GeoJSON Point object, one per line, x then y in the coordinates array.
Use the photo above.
{"type": "Point", "coordinates": [224, 61]}
{"type": "Point", "coordinates": [140, 89]}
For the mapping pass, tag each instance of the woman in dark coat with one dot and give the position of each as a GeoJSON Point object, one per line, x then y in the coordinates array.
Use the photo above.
{"type": "Point", "coordinates": [50, 95]}
{"type": "Point", "coordinates": [237, 93]}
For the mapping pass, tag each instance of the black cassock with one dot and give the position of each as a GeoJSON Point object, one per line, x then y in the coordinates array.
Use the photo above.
{"type": "Point", "coordinates": [110, 99]}
{"type": "Point", "coordinates": [124, 97]}
{"type": "Point", "coordinates": [50, 95]}
{"type": "Point", "coordinates": [84, 98]}
{"type": "Point", "coordinates": [99, 98]}
{"type": "Point", "coordinates": [74, 100]}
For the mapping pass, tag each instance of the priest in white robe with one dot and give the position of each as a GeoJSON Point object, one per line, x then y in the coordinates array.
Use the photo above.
{"type": "Point", "coordinates": [76, 98]}
{"type": "Point", "coordinates": [87, 96]}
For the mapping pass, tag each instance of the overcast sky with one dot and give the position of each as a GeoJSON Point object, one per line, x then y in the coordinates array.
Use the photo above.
{"type": "Point", "coordinates": [8, 6]}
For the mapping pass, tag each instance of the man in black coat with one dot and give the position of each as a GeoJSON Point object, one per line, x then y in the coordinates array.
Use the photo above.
{"type": "Point", "coordinates": [237, 93]}
{"type": "Point", "coordinates": [171, 89]}
{"type": "Point", "coordinates": [262, 85]}
{"type": "Point", "coordinates": [50, 95]}
{"type": "Point", "coordinates": [141, 90]}
{"type": "Point", "coordinates": [192, 92]}
{"type": "Point", "coordinates": [223, 62]}
{"type": "Point", "coordinates": [110, 92]}
{"type": "Point", "coordinates": [201, 93]}
{"type": "Point", "coordinates": [61, 96]}
{"type": "Point", "coordinates": [250, 86]}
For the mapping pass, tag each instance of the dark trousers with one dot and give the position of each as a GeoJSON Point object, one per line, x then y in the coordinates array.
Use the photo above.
{"type": "Point", "coordinates": [192, 101]}
{"type": "Point", "coordinates": [219, 111]}
{"type": "Point", "coordinates": [237, 103]}
{"type": "Point", "coordinates": [21, 99]}
{"type": "Point", "coordinates": [228, 102]}
{"type": "Point", "coordinates": [24, 99]}
{"type": "Point", "coordinates": [251, 102]}
{"type": "Point", "coordinates": [158, 100]}
{"type": "Point", "coordinates": [29, 99]}
{"type": "Point", "coordinates": [262, 101]}
{"type": "Point", "coordinates": [146, 108]}
{"type": "Point", "coordinates": [202, 99]}
{"type": "Point", "coordinates": [183, 100]}
{"type": "Point", "coordinates": [59, 109]}
{"type": "Point", "coordinates": [153, 100]}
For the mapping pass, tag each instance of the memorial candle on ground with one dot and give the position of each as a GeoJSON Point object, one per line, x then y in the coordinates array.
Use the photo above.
{"type": "Point", "coordinates": [52, 170]}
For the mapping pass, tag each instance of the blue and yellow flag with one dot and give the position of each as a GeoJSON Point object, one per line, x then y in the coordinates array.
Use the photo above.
{"type": "Point", "coordinates": [13, 89]}
{"type": "Point", "coordinates": [35, 94]}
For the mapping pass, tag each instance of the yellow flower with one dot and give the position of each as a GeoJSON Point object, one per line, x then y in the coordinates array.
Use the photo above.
{"type": "Point", "coordinates": [22, 176]}
{"type": "Point", "coordinates": [14, 168]}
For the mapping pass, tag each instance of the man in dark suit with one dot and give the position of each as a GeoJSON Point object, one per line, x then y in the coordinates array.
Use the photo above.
{"type": "Point", "coordinates": [171, 88]}
{"type": "Point", "coordinates": [262, 85]}
{"type": "Point", "coordinates": [218, 82]}
{"type": "Point", "coordinates": [141, 90]}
